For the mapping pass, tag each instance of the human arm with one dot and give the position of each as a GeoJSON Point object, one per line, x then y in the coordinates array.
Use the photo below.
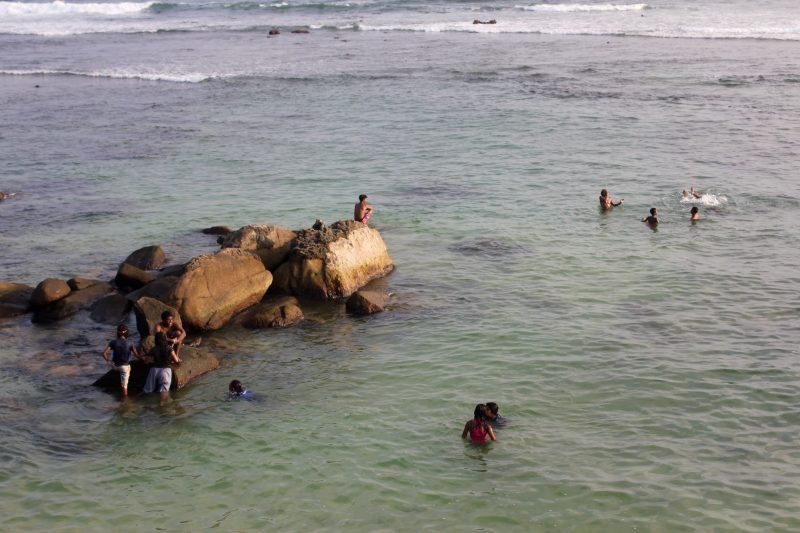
{"type": "Point", "coordinates": [137, 354]}
{"type": "Point", "coordinates": [180, 331]}
{"type": "Point", "coordinates": [174, 357]}
{"type": "Point", "coordinates": [466, 430]}
{"type": "Point", "coordinates": [621, 200]}
{"type": "Point", "coordinates": [105, 354]}
{"type": "Point", "coordinates": [490, 432]}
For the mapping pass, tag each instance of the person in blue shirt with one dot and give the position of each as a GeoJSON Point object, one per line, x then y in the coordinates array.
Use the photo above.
{"type": "Point", "coordinates": [236, 391]}
{"type": "Point", "coordinates": [493, 416]}
{"type": "Point", "coordinates": [120, 361]}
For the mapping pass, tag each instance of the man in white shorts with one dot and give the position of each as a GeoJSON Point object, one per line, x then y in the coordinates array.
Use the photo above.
{"type": "Point", "coordinates": [122, 349]}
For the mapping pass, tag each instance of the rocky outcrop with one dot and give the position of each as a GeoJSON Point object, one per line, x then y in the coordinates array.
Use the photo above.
{"type": "Point", "coordinates": [271, 243]}
{"type": "Point", "coordinates": [49, 291]}
{"type": "Point", "coordinates": [280, 312]}
{"type": "Point", "coordinates": [15, 299]}
{"type": "Point", "coordinates": [111, 309]}
{"type": "Point", "coordinates": [194, 363]}
{"type": "Point", "coordinates": [70, 305]}
{"type": "Point", "coordinates": [147, 258]}
{"type": "Point", "coordinates": [130, 277]}
{"type": "Point", "coordinates": [160, 289]}
{"type": "Point", "coordinates": [333, 262]}
{"type": "Point", "coordinates": [366, 303]}
{"type": "Point", "coordinates": [217, 230]}
{"type": "Point", "coordinates": [216, 287]}
{"type": "Point", "coordinates": [78, 284]}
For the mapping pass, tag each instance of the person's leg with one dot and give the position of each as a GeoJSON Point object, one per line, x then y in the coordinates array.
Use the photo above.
{"type": "Point", "coordinates": [124, 376]}
{"type": "Point", "coordinates": [150, 383]}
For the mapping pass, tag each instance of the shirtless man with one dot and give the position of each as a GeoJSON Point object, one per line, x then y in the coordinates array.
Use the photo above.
{"type": "Point", "coordinates": [363, 211]}
{"type": "Point", "coordinates": [175, 334]}
{"type": "Point", "coordinates": [652, 220]}
{"type": "Point", "coordinates": [606, 202]}
{"type": "Point", "coordinates": [691, 194]}
{"type": "Point", "coordinates": [695, 214]}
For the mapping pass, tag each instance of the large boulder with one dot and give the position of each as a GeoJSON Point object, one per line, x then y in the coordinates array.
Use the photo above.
{"type": "Point", "coordinates": [218, 286]}
{"type": "Point", "coordinates": [49, 291]}
{"type": "Point", "coordinates": [130, 277]}
{"type": "Point", "coordinates": [148, 314]}
{"type": "Point", "coordinates": [280, 312]}
{"type": "Point", "coordinates": [366, 303]}
{"type": "Point", "coordinates": [15, 299]}
{"type": "Point", "coordinates": [160, 289]}
{"type": "Point", "coordinates": [147, 258]}
{"type": "Point", "coordinates": [70, 305]}
{"type": "Point", "coordinates": [333, 262]}
{"type": "Point", "coordinates": [194, 363]}
{"type": "Point", "coordinates": [271, 243]}
{"type": "Point", "coordinates": [111, 309]}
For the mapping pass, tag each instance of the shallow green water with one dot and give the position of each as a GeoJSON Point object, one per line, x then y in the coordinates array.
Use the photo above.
{"type": "Point", "coordinates": [650, 376]}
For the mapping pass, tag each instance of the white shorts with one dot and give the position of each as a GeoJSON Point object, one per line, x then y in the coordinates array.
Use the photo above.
{"type": "Point", "coordinates": [158, 377]}
{"type": "Point", "coordinates": [124, 374]}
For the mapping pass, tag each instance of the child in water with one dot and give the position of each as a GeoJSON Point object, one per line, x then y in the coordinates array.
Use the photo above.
{"type": "Point", "coordinates": [479, 429]}
{"type": "Point", "coordinates": [236, 391]}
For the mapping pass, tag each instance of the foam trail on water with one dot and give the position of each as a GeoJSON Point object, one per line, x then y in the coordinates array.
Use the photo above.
{"type": "Point", "coordinates": [9, 10]}
{"type": "Point", "coordinates": [146, 75]}
{"type": "Point", "coordinates": [571, 8]}
{"type": "Point", "coordinates": [708, 200]}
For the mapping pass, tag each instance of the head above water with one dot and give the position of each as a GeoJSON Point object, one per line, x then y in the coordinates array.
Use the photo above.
{"type": "Point", "coordinates": [122, 331]}
{"type": "Point", "coordinates": [653, 211]}
{"type": "Point", "coordinates": [362, 197]}
{"type": "Point", "coordinates": [604, 193]}
{"type": "Point", "coordinates": [480, 412]}
{"type": "Point", "coordinates": [695, 210]}
{"type": "Point", "coordinates": [236, 386]}
{"type": "Point", "coordinates": [492, 409]}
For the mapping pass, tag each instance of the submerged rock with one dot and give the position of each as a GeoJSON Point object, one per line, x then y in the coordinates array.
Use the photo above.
{"type": "Point", "coordinates": [216, 287]}
{"type": "Point", "coordinates": [271, 243]}
{"type": "Point", "coordinates": [366, 303]}
{"type": "Point", "coordinates": [217, 230]}
{"type": "Point", "coordinates": [147, 258]}
{"type": "Point", "coordinates": [194, 363]}
{"type": "Point", "coordinates": [333, 262]}
{"type": "Point", "coordinates": [15, 299]}
{"type": "Point", "coordinates": [70, 305]}
{"type": "Point", "coordinates": [280, 312]}
{"type": "Point", "coordinates": [49, 291]}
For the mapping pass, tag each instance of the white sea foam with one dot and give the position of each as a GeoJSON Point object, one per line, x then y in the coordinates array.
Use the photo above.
{"type": "Point", "coordinates": [708, 200]}
{"type": "Point", "coordinates": [132, 74]}
{"type": "Point", "coordinates": [25, 10]}
{"type": "Point", "coordinates": [571, 8]}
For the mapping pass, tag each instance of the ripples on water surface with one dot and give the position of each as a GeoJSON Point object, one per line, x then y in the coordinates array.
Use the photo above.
{"type": "Point", "coordinates": [650, 376]}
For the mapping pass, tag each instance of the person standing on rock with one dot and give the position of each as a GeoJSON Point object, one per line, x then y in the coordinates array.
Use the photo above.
{"type": "Point", "coordinates": [160, 375]}
{"type": "Point", "coordinates": [121, 360]}
{"type": "Point", "coordinates": [363, 211]}
{"type": "Point", "coordinates": [175, 334]}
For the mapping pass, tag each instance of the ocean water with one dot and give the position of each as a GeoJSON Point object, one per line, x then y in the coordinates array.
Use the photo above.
{"type": "Point", "coordinates": [650, 377]}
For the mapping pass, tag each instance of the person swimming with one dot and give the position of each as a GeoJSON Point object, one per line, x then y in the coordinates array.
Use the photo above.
{"type": "Point", "coordinates": [236, 391]}
{"type": "Point", "coordinates": [695, 214]}
{"type": "Point", "coordinates": [606, 202]}
{"type": "Point", "coordinates": [652, 220]}
{"type": "Point", "coordinates": [478, 429]}
{"type": "Point", "coordinates": [691, 193]}
{"type": "Point", "coordinates": [493, 415]}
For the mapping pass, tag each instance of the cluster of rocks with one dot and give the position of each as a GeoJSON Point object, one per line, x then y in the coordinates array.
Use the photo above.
{"type": "Point", "coordinates": [259, 276]}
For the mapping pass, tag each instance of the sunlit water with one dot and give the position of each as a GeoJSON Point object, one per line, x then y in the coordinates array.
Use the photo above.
{"type": "Point", "coordinates": [650, 376]}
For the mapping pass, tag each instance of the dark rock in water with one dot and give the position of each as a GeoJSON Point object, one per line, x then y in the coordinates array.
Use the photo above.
{"type": "Point", "coordinates": [130, 277]}
{"type": "Point", "coordinates": [271, 243]}
{"type": "Point", "coordinates": [301, 30]}
{"type": "Point", "coordinates": [476, 21]}
{"type": "Point", "coordinates": [333, 262]}
{"type": "Point", "coordinates": [274, 31]}
{"type": "Point", "coordinates": [366, 303]}
{"type": "Point", "coordinates": [218, 286]}
{"type": "Point", "coordinates": [78, 284]}
{"type": "Point", "coordinates": [49, 291]}
{"type": "Point", "coordinates": [70, 305]}
{"type": "Point", "coordinates": [147, 258]}
{"type": "Point", "coordinates": [319, 225]}
{"type": "Point", "coordinates": [160, 289]}
{"type": "Point", "coordinates": [172, 271]}
{"type": "Point", "coordinates": [280, 312]}
{"type": "Point", "coordinates": [15, 299]}
{"type": "Point", "coordinates": [194, 363]}
{"type": "Point", "coordinates": [217, 230]}
{"type": "Point", "coordinates": [148, 314]}
{"type": "Point", "coordinates": [111, 309]}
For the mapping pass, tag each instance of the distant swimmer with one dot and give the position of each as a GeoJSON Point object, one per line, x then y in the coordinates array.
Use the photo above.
{"type": "Point", "coordinates": [652, 220]}
{"type": "Point", "coordinates": [478, 429]}
{"type": "Point", "coordinates": [691, 193]}
{"type": "Point", "coordinates": [2, 196]}
{"type": "Point", "coordinates": [363, 211]}
{"type": "Point", "coordinates": [606, 202]}
{"type": "Point", "coordinates": [476, 21]}
{"type": "Point", "coordinates": [695, 214]}
{"type": "Point", "coordinates": [6, 195]}
{"type": "Point", "coordinates": [236, 391]}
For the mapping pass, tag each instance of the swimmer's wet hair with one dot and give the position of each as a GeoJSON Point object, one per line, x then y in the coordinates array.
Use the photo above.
{"type": "Point", "coordinates": [235, 386]}
{"type": "Point", "coordinates": [362, 197]}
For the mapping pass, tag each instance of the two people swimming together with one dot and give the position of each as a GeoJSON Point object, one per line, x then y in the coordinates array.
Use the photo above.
{"type": "Point", "coordinates": [480, 429]}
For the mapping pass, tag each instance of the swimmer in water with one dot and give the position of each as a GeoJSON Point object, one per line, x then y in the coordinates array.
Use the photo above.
{"type": "Point", "coordinates": [695, 214]}
{"type": "Point", "coordinates": [606, 202]}
{"type": "Point", "coordinates": [691, 193]}
{"type": "Point", "coordinates": [652, 220]}
{"type": "Point", "coordinates": [479, 429]}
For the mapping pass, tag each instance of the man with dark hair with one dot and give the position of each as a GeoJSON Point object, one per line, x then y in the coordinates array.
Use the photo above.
{"type": "Point", "coordinates": [606, 202]}
{"type": "Point", "coordinates": [160, 375]}
{"type": "Point", "coordinates": [363, 211]}
{"type": "Point", "coordinates": [652, 220]}
{"type": "Point", "coordinates": [175, 333]}
{"type": "Point", "coordinates": [121, 360]}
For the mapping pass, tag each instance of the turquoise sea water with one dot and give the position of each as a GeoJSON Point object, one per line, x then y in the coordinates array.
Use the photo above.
{"type": "Point", "coordinates": [650, 376]}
